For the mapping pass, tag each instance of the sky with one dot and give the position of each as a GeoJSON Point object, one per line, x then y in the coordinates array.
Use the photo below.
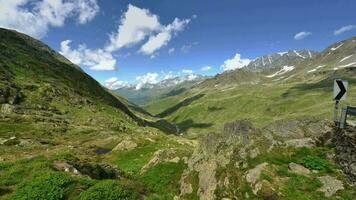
{"type": "Point", "coordinates": [121, 42]}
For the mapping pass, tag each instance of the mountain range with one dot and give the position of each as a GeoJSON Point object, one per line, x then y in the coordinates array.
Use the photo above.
{"type": "Point", "coordinates": [260, 132]}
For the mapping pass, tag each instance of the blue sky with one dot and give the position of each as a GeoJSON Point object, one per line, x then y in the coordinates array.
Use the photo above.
{"type": "Point", "coordinates": [197, 34]}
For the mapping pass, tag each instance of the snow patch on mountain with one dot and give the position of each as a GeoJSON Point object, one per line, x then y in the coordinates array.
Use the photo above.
{"type": "Point", "coordinates": [298, 54]}
{"type": "Point", "coordinates": [347, 57]}
{"type": "Point", "coordinates": [315, 69]}
{"type": "Point", "coordinates": [353, 64]}
{"type": "Point", "coordinates": [284, 70]}
{"type": "Point", "coordinates": [335, 48]}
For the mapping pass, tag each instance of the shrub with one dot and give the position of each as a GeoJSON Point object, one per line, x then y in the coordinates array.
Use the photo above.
{"type": "Point", "coordinates": [46, 186]}
{"type": "Point", "coordinates": [314, 163]}
{"type": "Point", "coordinates": [108, 190]}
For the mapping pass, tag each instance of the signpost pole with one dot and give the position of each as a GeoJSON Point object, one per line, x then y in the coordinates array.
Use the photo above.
{"type": "Point", "coordinates": [336, 112]}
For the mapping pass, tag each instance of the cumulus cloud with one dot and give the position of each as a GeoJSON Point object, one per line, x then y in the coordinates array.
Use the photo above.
{"type": "Point", "coordinates": [36, 19]}
{"type": "Point", "coordinates": [149, 78]}
{"type": "Point", "coordinates": [137, 24]}
{"type": "Point", "coordinates": [205, 68]}
{"type": "Point", "coordinates": [98, 59]}
{"type": "Point", "coordinates": [162, 38]}
{"type": "Point", "coordinates": [302, 35]}
{"type": "Point", "coordinates": [114, 83]}
{"type": "Point", "coordinates": [235, 63]}
{"type": "Point", "coordinates": [344, 29]}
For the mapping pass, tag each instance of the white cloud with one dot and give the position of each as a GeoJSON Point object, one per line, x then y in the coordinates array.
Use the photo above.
{"type": "Point", "coordinates": [187, 71]}
{"type": "Point", "coordinates": [98, 59]}
{"type": "Point", "coordinates": [205, 68]}
{"type": "Point", "coordinates": [135, 25]}
{"type": "Point", "coordinates": [344, 29]}
{"type": "Point", "coordinates": [168, 75]}
{"type": "Point", "coordinates": [87, 10]}
{"type": "Point", "coordinates": [235, 62]}
{"type": "Point", "coordinates": [302, 35]}
{"type": "Point", "coordinates": [194, 16]}
{"type": "Point", "coordinates": [161, 39]}
{"type": "Point", "coordinates": [149, 78]}
{"type": "Point", "coordinates": [191, 77]}
{"type": "Point", "coordinates": [171, 50]}
{"type": "Point", "coordinates": [114, 83]}
{"type": "Point", "coordinates": [36, 19]}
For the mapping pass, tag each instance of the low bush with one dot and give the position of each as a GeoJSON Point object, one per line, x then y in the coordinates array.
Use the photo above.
{"type": "Point", "coordinates": [109, 190]}
{"type": "Point", "coordinates": [44, 186]}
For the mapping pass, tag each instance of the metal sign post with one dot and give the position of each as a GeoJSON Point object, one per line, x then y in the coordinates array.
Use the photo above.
{"type": "Point", "coordinates": [340, 90]}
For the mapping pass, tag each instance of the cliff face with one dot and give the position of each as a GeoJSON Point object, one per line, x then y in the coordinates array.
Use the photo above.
{"type": "Point", "coordinates": [345, 145]}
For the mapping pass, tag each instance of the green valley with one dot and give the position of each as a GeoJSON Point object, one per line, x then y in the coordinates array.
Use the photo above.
{"type": "Point", "coordinates": [242, 134]}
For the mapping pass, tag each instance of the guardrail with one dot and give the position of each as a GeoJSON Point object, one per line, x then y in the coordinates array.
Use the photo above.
{"type": "Point", "coordinates": [349, 110]}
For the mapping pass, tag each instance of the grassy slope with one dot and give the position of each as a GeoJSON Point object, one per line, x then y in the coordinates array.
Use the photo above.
{"type": "Point", "coordinates": [62, 114]}
{"type": "Point", "coordinates": [240, 94]}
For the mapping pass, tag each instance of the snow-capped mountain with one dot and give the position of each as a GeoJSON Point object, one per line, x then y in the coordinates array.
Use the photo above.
{"type": "Point", "coordinates": [280, 59]}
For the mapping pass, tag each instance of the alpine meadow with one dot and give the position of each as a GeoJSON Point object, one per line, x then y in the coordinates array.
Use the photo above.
{"type": "Point", "coordinates": [177, 100]}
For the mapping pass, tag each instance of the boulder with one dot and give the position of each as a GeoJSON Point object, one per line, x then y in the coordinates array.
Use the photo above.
{"type": "Point", "coordinates": [330, 185]}
{"type": "Point", "coordinates": [303, 142]}
{"type": "Point", "coordinates": [253, 177]}
{"type": "Point", "coordinates": [298, 169]}
{"type": "Point", "coordinates": [125, 145]}
{"type": "Point", "coordinates": [65, 167]}
{"type": "Point", "coordinates": [7, 108]}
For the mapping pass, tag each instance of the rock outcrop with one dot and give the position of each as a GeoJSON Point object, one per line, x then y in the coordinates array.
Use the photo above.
{"type": "Point", "coordinates": [345, 144]}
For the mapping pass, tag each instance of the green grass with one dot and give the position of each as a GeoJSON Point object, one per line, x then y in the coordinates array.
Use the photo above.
{"type": "Point", "coordinates": [302, 188]}
{"type": "Point", "coordinates": [163, 179]}
{"type": "Point", "coordinates": [261, 103]}
{"type": "Point", "coordinates": [43, 186]}
{"type": "Point", "coordinates": [109, 190]}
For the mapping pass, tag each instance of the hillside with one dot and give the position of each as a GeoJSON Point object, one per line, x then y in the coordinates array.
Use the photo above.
{"type": "Point", "coordinates": [288, 90]}
{"type": "Point", "coordinates": [57, 125]}
{"type": "Point", "coordinates": [243, 134]}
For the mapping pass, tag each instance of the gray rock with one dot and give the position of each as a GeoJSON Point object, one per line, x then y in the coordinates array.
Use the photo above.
{"type": "Point", "coordinates": [7, 108]}
{"type": "Point", "coordinates": [330, 185]}
{"type": "Point", "coordinates": [298, 169]}
{"type": "Point", "coordinates": [303, 142]}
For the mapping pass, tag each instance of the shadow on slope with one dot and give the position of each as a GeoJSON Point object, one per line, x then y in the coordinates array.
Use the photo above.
{"type": "Point", "coordinates": [327, 83]}
{"type": "Point", "coordinates": [175, 92]}
{"type": "Point", "coordinates": [176, 107]}
{"type": "Point", "coordinates": [189, 123]}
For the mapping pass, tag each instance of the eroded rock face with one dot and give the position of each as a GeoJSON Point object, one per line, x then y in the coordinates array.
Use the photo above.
{"type": "Point", "coordinates": [125, 145]}
{"type": "Point", "coordinates": [162, 155]}
{"type": "Point", "coordinates": [297, 129]}
{"type": "Point", "coordinates": [330, 185]}
{"type": "Point", "coordinates": [298, 169]}
{"type": "Point", "coordinates": [345, 145]}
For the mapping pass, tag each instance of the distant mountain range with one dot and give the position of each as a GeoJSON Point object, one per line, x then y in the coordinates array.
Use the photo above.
{"type": "Point", "coordinates": [168, 87]}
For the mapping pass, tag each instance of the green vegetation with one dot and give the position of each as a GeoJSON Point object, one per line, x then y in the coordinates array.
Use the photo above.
{"type": "Point", "coordinates": [110, 190]}
{"type": "Point", "coordinates": [164, 178]}
{"type": "Point", "coordinates": [63, 136]}
{"type": "Point", "coordinates": [44, 186]}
